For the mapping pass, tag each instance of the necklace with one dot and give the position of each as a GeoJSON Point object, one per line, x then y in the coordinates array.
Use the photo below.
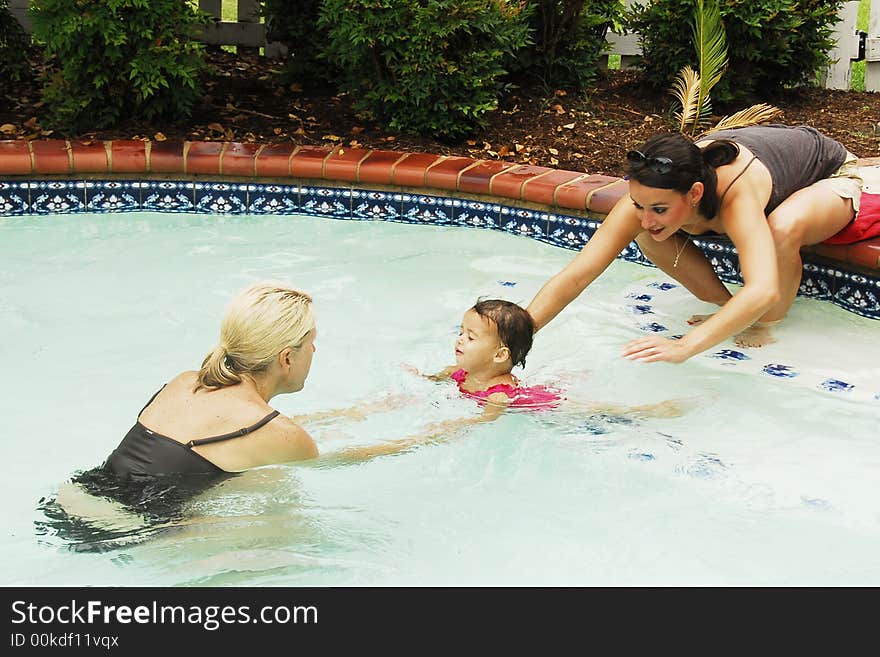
{"type": "Point", "coordinates": [683, 244]}
{"type": "Point", "coordinates": [678, 255]}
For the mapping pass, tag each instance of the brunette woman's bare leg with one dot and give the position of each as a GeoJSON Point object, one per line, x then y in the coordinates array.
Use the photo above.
{"type": "Point", "coordinates": [692, 269]}
{"type": "Point", "coordinates": [807, 217]}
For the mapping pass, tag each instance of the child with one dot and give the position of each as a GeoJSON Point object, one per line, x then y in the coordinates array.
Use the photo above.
{"type": "Point", "coordinates": [495, 336]}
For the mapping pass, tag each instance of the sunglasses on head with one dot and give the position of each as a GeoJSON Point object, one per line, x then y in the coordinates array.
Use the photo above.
{"type": "Point", "coordinates": [657, 164]}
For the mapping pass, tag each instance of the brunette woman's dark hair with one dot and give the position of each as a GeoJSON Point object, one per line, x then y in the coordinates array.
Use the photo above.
{"type": "Point", "coordinates": [672, 161]}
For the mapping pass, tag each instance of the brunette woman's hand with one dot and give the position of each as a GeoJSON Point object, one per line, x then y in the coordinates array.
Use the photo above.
{"type": "Point", "coordinates": [654, 349]}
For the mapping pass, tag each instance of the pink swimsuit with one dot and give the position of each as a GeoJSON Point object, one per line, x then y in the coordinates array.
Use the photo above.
{"type": "Point", "coordinates": [537, 397]}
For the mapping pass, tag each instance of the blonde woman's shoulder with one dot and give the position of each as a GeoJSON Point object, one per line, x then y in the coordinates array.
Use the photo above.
{"type": "Point", "coordinates": [291, 441]}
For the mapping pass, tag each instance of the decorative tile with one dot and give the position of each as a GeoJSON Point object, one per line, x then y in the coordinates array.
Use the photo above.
{"type": "Point", "coordinates": [168, 196]}
{"type": "Point", "coordinates": [781, 371]}
{"type": "Point", "coordinates": [273, 199]}
{"type": "Point", "coordinates": [57, 197]}
{"type": "Point", "coordinates": [375, 206]}
{"type": "Point", "coordinates": [815, 283]}
{"type": "Point", "coordinates": [477, 214]}
{"type": "Point", "coordinates": [834, 385]}
{"type": "Point", "coordinates": [653, 327]}
{"type": "Point", "coordinates": [14, 199]}
{"type": "Point", "coordinates": [730, 354]}
{"type": "Point", "coordinates": [527, 223]}
{"type": "Point", "coordinates": [858, 294]}
{"type": "Point", "coordinates": [220, 198]}
{"type": "Point", "coordinates": [331, 202]}
{"type": "Point", "coordinates": [632, 253]}
{"type": "Point", "coordinates": [664, 286]}
{"type": "Point", "coordinates": [112, 196]}
{"type": "Point", "coordinates": [423, 209]}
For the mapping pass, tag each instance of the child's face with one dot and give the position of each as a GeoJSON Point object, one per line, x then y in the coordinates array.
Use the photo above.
{"type": "Point", "coordinates": [478, 344]}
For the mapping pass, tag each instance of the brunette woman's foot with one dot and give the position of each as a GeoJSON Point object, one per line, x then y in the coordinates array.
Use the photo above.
{"type": "Point", "coordinates": [757, 335]}
{"type": "Point", "coordinates": [693, 320]}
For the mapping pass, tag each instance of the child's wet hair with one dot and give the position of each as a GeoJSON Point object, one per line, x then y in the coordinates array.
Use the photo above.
{"type": "Point", "coordinates": [515, 326]}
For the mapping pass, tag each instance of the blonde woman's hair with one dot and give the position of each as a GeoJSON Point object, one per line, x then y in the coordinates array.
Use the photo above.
{"type": "Point", "coordinates": [259, 323]}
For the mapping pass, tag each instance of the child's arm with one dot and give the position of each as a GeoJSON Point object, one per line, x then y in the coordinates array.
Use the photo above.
{"type": "Point", "coordinates": [357, 412]}
{"type": "Point", "coordinates": [437, 432]}
{"type": "Point", "coordinates": [442, 375]}
{"type": "Point", "coordinates": [668, 408]}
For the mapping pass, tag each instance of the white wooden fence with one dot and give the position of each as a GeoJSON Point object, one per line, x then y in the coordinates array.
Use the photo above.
{"type": "Point", "coordinates": [249, 32]}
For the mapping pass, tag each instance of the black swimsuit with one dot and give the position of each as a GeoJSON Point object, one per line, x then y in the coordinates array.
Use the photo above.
{"type": "Point", "coordinates": [145, 452]}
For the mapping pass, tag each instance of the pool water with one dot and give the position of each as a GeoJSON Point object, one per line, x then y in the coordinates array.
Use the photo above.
{"type": "Point", "coordinates": [762, 481]}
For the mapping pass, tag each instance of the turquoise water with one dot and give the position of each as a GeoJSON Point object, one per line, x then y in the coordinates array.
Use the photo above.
{"type": "Point", "coordinates": [761, 481]}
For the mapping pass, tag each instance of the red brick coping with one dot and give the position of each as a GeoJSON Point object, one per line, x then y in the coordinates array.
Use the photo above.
{"type": "Point", "coordinates": [488, 179]}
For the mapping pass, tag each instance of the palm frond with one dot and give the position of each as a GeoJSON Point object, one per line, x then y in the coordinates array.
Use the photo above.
{"type": "Point", "coordinates": [710, 42]}
{"type": "Point", "coordinates": [686, 90]}
{"type": "Point", "coordinates": [760, 113]}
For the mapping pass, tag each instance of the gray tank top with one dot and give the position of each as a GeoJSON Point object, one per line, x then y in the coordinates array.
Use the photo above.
{"type": "Point", "coordinates": [796, 156]}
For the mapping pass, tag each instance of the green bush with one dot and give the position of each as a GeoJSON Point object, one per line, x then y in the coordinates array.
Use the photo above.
{"type": "Point", "coordinates": [427, 66]}
{"type": "Point", "coordinates": [295, 24]}
{"type": "Point", "coordinates": [115, 59]}
{"type": "Point", "coordinates": [775, 43]}
{"type": "Point", "coordinates": [568, 37]}
{"type": "Point", "coordinates": [14, 46]}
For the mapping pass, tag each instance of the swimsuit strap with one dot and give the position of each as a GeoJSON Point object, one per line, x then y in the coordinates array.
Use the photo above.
{"type": "Point", "coordinates": [155, 394]}
{"type": "Point", "coordinates": [735, 178]}
{"type": "Point", "coordinates": [233, 434]}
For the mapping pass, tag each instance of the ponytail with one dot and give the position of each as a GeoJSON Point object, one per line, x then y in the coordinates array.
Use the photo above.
{"type": "Point", "coordinates": [715, 155]}
{"type": "Point", "coordinates": [217, 371]}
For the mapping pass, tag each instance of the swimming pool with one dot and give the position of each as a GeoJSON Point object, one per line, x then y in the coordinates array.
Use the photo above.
{"type": "Point", "coordinates": [763, 481]}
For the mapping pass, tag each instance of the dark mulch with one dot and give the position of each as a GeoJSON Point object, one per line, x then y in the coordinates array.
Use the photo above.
{"type": "Point", "coordinates": [588, 131]}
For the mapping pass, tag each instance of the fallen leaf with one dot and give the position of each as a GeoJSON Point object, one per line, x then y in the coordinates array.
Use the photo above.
{"type": "Point", "coordinates": [391, 138]}
{"type": "Point", "coordinates": [354, 143]}
{"type": "Point", "coordinates": [560, 93]}
{"type": "Point", "coordinates": [277, 131]}
{"type": "Point", "coordinates": [487, 146]}
{"type": "Point", "coordinates": [558, 108]}
{"type": "Point", "coordinates": [216, 127]}
{"type": "Point", "coordinates": [519, 147]}
{"type": "Point", "coordinates": [160, 137]}
{"type": "Point", "coordinates": [554, 161]}
{"type": "Point", "coordinates": [553, 151]}
{"type": "Point", "coordinates": [569, 126]}
{"type": "Point", "coordinates": [356, 130]}
{"type": "Point", "coordinates": [504, 150]}
{"type": "Point", "coordinates": [331, 138]}
{"type": "Point", "coordinates": [7, 129]}
{"type": "Point", "coordinates": [471, 142]}
{"type": "Point", "coordinates": [31, 123]}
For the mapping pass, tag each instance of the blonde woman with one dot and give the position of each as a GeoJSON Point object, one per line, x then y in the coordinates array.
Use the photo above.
{"type": "Point", "coordinates": [218, 420]}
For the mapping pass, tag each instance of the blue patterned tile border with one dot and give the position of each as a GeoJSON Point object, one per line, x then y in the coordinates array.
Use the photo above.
{"type": "Point", "coordinates": [329, 202]}
{"type": "Point", "coordinates": [57, 197]}
{"type": "Point", "coordinates": [168, 196]}
{"type": "Point", "coordinates": [856, 292]}
{"type": "Point", "coordinates": [425, 209]}
{"type": "Point", "coordinates": [273, 199]}
{"type": "Point", "coordinates": [14, 198]}
{"type": "Point", "coordinates": [220, 198]}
